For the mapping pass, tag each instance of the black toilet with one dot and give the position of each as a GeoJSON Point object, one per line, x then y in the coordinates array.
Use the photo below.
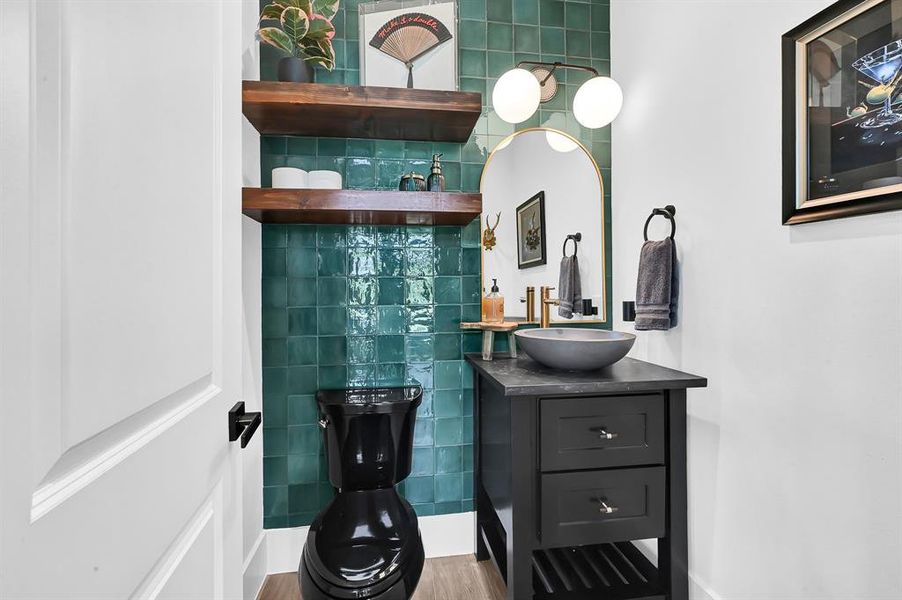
{"type": "Point", "coordinates": [366, 543]}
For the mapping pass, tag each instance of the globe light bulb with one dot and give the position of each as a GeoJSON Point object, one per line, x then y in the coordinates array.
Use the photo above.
{"type": "Point", "coordinates": [560, 142]}
{"type": "Point", "coordinates": [597, 102]}
{"type": "Point", "coordinates": [516, 96]}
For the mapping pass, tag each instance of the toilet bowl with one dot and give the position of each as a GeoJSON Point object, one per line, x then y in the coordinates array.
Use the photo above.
{"type": "Point", "coordinates": [366, 543]}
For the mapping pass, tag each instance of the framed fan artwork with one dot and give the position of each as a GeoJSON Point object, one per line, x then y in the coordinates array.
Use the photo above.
{"type": "Point", "coordinates": [409, 44]}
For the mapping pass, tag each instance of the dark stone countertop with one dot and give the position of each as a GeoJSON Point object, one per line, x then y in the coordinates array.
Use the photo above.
{"type": "Point", "coordinates": [523, 376]}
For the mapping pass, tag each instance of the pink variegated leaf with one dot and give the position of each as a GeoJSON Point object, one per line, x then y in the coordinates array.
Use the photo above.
{"type": "Point", "coordinates": [295, 23]}
{"type": "Point", "coordinates": [325, 8]}
{"type": "Point", "coordinates": [277, 38]}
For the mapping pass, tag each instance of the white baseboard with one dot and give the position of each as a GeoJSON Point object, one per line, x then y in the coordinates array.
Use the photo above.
{"type": "Point", "coordinates": [443, 535]}
{"type": "Point", "coordinates": [698, 589]}
{"type": "Point", "coordinates": [254, 569]}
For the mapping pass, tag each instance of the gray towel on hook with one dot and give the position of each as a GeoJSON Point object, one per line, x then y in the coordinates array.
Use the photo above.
{"type": "Point", "coordinates": [570, 288]}
{"type": "Point", "coordinates": [658, 286]}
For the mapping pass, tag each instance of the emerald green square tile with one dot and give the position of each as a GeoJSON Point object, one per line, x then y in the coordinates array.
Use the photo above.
{"type": "Point", "coordinates": [361, 236]}
{"type": "Point", "coordinates": [601, 49]}
{"type": "Point", "coordinates": [332, 262]}
{"type": "Point", "coordinates": [419, 262]}
{"type": "Point", "coordinates": [303, 468]}
{"type": "Point", "coordinates": [470, 312]}
{"type": "Point", "coordinates": [423, 510]}
{"type": "Point", "coordinates": [275, 500]}
{"type": "Point", "coordinates": [447, 318]}
{"type": "Point", "coordinates": [452, 176]}
{"type": "Point", "coordinates": [418, 150]}
{"type": "Point", "coordinates": [362, 320]}
{"type": "Point", "coordinates": [447, 374]}
{"type": "Point", "coordinates": [471, 290]}
{"type": "Point", "coordinates": [421, 373]}
{"type": "Point", "coordinates": [302, 146]}
{"type": "Point", "coordinates": [424, 432]}
{"type": "Point", "coordinates": [306, 163]}
{"type": "Point", "coordinates": [473, 151]}
{"type": "Point", "coordinates": [425, 408]}
{"type": "Point", "coordinates": [471, 260]}
{"type": "Point", "coordinates": [418, 290]}
{"type": "Point", "coordinates": [333, 350]}
{"type": "Point", "coordinates": [423, 463]}
{"type": "Point", "coordinates": [577, 43]}
{"type": "Point", "coordinates": [473, 84]}
{"type": "Point", "coordinates": [390, 348]}
{"type": "Point", "coordinates": [471, 235]}
{"type": "Point", "coordinates": [499, 62]}
{"type": "Point", "coordinates": [301, 262]}
{"type": "Point", "coordinates": [275, 441]}
{"type": "Point", "coordinates": [472, 34]}
{"type": "Point", "coordinates": [450, 151]}
{"type": "Point", "coordinates": [467, 458]}
{"type": "Point", "coordinates": [391, 262]}
{"type": "Point", "coordinates": [361, 375]}
{"type": "Point", "coordinates": [468, 430]}
{"type": "Point", "coordinates": [275, 291]}
{"type": "Point", "coordinates": [577, 17]}
{"type": "Point", "coordinates": [332, 291]}
{"type": "Point", "coordinates": [448, 403]}
{"type": "Point", "coordinates": [448, 432]}
{"type": "Point", "coordinates": [390, 373]}
{"type": "Point", "coordinates": [552, 40]}
{"type": "Point", "coordinates": [275, 470]}
{"type": "Point", "coordinates": [388, 173]}
{"type": "Point", "coordinates": [526, 38]}
{"type": "Point", "coordinates": [601, 17]}
{"type": "Point", "coordinates": [332, 320]}
{"type": "Point", "coordinates": [301, 350]}
{"type": "Point", "coordinates": [418, 348]}
{"type": "Point", "coordinates": [363, 148]}
{"type": "Point", "coordinates": [302, 497]}
{"type": "Point", "coordinates": [352, 54]}
{"type": "Point", "coordinates": [331, 236]}
{"type": "Point", "coordinates": [469, 177]}
{"type": "Point", "coordinates": [468, 403]}
{"type": "Point", "coordinates": [275, 322]}
{"type": "Point", "coordinates": [419, 237]}
{"type": "Point", "coordinates": [275, 408]}
{"type": "Point", "coordinates": [302, 236]}
{"type": "Point", "coordinates": [361, 349]}
{"type": "Point", "coordinates": [446, 508]}
{"type": "Point", "coordinates": [274, 236]}
{"type": "Point", "coordinates": [447, 346]}
{"type": "Point", "coordinates": [466, 376]}
{"type": "Point", "coordinates": [499, 10]}
{"type": "Point", "coordinates": [332, 163]}
{"type": "Point", "coordinates": [526, 11]}
{"type": "Point", "coordinates": [419, 319]}
{"type": "Point", "coordinates": [273, 262]}
{"type": "Point", "coordinates": [448, 261]}
{"type": "Point", "coordinates": [551, 13]}
{"type": "Point", "coordinates": [302, 321]}
{"type": "Point", "coordinates": [331, 147]}
{"type": "Point", "coordinates": [275, 353]}
{"type": "Point", "coordinates": [390, 237]}
{"type": "Point", "coordinates": [467, 479]}
{"type": "Point", "coordinates": [301, 380]}
{"type": "Point", "coordinates": [272, 144]}
{"type": "Point", "coordinates": [419, 489]}
{"type": "Point", "coordinates": [472, 9]}
{"type": "Point", "coordinates": [281, 521]}
{"type": "Point", "coordinates": [447, 290]}
{"type": "Point", "coordinates": [500, 36]}
{"type": "Point", "coordinates": [302, 410]}
{"type": "Point", "coordinates": [362, 291]}
{"type": "Point", "coordinates": [448, 459]}
{"type": "Point", "coordinates": [447, 237]}
{"type": "Point", "coordinates": [361, 261]}
{"type": "Point", "coordinates": [391, 290]}
{"type": "Point", "coordinates": [472, 64]}
{"type": "Point", "coordinates": [391, 320]}
{"type": "Point", "coordinates": [389, 149]}
{"type": "Point", "coordinates": [333, 377]}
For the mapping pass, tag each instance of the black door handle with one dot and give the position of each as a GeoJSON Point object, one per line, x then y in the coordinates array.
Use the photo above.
{"type": "Point", "coordinates": [242, 424]}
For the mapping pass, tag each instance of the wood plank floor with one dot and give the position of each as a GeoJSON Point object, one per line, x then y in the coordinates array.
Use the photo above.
{"type": "Point", "coordinates": [449, 578]}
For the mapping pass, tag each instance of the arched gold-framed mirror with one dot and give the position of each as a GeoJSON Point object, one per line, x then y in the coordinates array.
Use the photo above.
{"type": "Point", "coordinates": [557, 165]}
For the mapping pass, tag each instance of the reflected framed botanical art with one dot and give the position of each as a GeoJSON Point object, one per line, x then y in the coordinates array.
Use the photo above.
{"type": "Point", "coordinates": [842, 112]}
{"type": "Point", "coordinates": [531, 232]}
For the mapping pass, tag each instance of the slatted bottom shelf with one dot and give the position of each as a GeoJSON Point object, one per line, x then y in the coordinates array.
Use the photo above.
{"type": "Point", "coordinates": [616, 571]}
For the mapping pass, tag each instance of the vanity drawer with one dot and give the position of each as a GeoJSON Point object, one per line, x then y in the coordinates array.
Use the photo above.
{"type": "Point", "coordinates": [598, 432]}
{"type": "Point", "coordinates": [592, 507]}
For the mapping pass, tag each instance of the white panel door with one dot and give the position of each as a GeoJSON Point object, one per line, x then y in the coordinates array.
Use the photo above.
{"type": "Point", "coordinates": [120, 266]}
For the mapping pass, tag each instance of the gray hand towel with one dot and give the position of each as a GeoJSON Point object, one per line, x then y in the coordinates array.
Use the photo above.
{"type": "Point", "coordinates": [657, 288]}
{"type": "Point", "coordinates": [570, 288]}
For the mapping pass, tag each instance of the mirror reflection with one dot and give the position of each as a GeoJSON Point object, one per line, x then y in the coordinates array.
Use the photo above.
{"type": "Point", "coordinates": [539, 188]}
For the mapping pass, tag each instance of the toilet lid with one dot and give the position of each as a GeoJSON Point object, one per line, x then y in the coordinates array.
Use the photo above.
{"type": "Point", "coordinates": [363, 539]}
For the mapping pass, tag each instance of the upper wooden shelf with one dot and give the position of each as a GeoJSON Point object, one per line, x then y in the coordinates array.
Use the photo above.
{"type": "Point", "coordinates": [360, 207]}
{"type": "Point", "coordinates": [317, 109]}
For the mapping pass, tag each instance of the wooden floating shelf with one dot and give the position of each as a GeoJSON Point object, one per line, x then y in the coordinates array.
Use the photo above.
{"type": "Point", "coordinates": [317, 109]}
{"type": "Point", "coordinates": [360, 207]}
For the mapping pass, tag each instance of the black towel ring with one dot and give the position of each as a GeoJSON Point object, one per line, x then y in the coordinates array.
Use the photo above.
{"type": "Point", "coordinates": [668, 211]}
{"type": "Point", "coordinates": [576, 237]}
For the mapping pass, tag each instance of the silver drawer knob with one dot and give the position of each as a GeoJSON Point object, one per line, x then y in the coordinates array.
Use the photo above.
{"type": "Point", "coordinates": [323, 423]}
{"type": "Point", "coordinates": [605, 509]}
{"type": "Point", "coordinates": [605, 434]}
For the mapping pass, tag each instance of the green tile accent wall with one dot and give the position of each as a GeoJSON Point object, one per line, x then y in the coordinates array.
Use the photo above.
{"type": "Point", "coordinates": [352, 304]}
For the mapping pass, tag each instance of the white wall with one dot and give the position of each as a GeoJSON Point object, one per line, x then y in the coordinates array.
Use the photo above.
{"type": "Point", "coordinates": [795, 448]}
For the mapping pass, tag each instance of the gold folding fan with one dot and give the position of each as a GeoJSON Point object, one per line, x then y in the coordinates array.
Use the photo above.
{"type": "Point", "coordinates": [408, 37]}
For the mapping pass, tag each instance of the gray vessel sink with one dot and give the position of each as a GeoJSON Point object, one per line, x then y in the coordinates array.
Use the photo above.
{"type": "Point", "coordinates": [575, 349]}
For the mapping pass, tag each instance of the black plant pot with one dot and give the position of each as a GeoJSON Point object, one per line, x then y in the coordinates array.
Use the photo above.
{"type": "Point", "coordinates": [296, 70]}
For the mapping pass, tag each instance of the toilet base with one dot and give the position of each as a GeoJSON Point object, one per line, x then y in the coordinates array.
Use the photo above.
{"type": "Point", "coordinates": [403, 589]}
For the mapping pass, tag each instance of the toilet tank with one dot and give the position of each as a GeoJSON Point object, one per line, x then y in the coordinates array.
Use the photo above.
{"type": "Point", "coordinates": [368, 435]}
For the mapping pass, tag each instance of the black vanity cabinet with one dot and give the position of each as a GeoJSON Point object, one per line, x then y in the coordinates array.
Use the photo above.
{"type": "Point", "coordinates": [571, 467]}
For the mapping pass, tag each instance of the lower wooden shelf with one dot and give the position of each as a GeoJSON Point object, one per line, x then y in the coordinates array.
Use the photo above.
{"type": "Point", "coordinates": [360, 207]}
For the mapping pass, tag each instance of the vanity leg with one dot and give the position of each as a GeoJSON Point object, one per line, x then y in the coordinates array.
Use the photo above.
{"type": "Point", "coordinates": [521, 538]}
{"type": "Point", "coordinates": [482, 552]}
{"type": "Point", "coordinates": [673, 549]}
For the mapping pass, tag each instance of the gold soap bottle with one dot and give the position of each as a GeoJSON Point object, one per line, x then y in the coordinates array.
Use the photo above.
{"type": "Point", "coordinates": [493, 305]}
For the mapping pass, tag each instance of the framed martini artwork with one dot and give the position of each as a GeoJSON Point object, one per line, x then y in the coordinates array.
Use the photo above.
{"type": "Point", "coordinates": [842, 112]}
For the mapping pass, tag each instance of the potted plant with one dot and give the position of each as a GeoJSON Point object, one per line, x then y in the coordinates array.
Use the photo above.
{"type": "Point", "coordinates": [303, 30]}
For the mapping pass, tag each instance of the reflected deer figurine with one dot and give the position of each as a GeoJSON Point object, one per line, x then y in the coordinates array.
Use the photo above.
{"type": "Point", "coordinates": [488, 236]}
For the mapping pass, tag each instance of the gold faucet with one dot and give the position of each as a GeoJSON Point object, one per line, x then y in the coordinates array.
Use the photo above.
{"type": "Point", "coordinates": [547, 303]}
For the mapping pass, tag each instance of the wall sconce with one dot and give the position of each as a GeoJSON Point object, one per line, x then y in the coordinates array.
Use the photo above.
{"type": "Point", "coordinates": [518, 93]}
